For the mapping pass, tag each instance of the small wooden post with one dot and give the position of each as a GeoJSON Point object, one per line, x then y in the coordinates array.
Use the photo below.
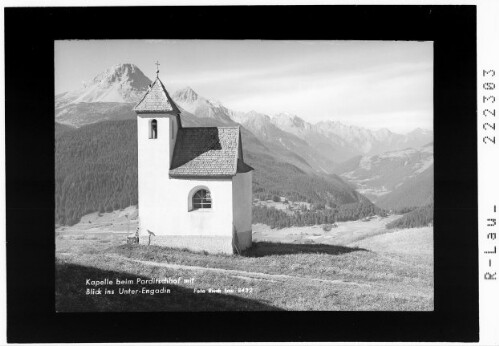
{"type": "Point", "coordinates": [150, 234]}
{"type": "Point", "coordinates": [133, 239]}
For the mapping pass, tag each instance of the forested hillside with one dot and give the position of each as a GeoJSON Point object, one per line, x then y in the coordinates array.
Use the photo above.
{"type": "Point", "coordinates": [352, 211]}
{"type": "Point", "coordinates": [273, 178]}
{"type": "Point", "coordinates": [419, 217]}
{"type": "Point", "coordinates": [62, 128]}
{"type": "Point", "coordinates": [96, 170]}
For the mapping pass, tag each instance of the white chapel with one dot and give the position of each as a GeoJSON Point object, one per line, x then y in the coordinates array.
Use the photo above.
{"type": "Point", "coordinates": [193, 185]}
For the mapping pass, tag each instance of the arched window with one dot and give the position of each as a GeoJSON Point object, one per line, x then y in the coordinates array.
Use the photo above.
{"type": "Point", "coordinates": [201, 199]}
{"type": "Point", "coordinates": [153, 132]}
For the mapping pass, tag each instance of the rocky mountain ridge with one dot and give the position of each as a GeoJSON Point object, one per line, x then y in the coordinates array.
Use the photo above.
{"type": "Point", "coordinates": [121, 83]}
{"type": "Point", "coordinates": [112, 94]}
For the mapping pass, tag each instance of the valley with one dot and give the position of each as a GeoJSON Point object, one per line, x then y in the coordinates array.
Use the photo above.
{"type": "Point", "coordinates": [326, 164]}
{"type": "Point", "coordinates": [389, 177]}
{"type": "Point", "coordinates": [323, 236]}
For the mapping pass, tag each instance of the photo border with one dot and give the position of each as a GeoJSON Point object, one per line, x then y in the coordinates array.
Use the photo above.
{"type": "Point", "coordinates": [29, 84]}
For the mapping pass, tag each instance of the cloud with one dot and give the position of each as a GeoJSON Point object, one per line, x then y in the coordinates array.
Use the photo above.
{"type": "Point", "coordinates": [369, 91]}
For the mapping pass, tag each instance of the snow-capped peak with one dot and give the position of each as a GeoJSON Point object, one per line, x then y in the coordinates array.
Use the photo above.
{"type": "Point", "coordinates": [290, 121]}
{"type": "Point", "coordinates": [119, 83]}
{"type": "Point", "coordinates": [121, 73]}
{"type": "Point", "coordinates": [420, 131]}
{"type": "Point", "coordinates": [215, 103]}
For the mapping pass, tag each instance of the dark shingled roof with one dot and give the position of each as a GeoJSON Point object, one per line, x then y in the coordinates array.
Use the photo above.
{"type": "Point", "coordinates": [156, 100]}
{"type": "Point", "coordinates": [207, 152]}
{"type": "Point", "coordinates": [242, 167]}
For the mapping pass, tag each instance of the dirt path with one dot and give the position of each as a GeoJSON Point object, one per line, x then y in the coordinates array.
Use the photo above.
{"type": "Point", "coordinates": [394, 260]}
{"type": "Point", "coordinates": [241, 274]}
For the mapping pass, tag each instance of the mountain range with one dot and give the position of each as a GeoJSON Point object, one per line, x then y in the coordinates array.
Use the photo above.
{"type": "Point", "coordinates": [112, 94]}
{"type": "Point", "coordinates": [291, 156]}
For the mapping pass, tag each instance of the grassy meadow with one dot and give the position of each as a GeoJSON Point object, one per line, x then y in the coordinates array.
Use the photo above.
{"type": "Point", "coordinates": [302, 271]}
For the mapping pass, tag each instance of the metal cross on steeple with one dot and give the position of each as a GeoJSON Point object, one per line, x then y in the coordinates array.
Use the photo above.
{"type": "Point", "coordinates": [157, 68]}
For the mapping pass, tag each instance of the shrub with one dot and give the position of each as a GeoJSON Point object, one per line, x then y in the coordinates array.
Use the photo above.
{"type": "Point", "coordinates": [327, 227]}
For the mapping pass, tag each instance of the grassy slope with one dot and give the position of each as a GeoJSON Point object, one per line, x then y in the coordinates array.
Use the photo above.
{"type": "Point", "coordinates": [344, 234]}
{"type": "Point", "coordinates": [414, 241]}
{"type": "Point", "coordinates": [365, 280]}
{"type": "Point", "coordinates": [388, 285]}
{"type": "Point", "coordinates": [70, 293]}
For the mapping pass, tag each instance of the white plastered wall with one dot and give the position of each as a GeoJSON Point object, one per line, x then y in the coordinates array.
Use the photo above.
{"type": "Point", "coordinates": [179, 218]}
{"type": "Point", "coordinates": [170, 212]}
{"type": "Point", "coordinates": [164, 206]}
{"type": "Point", "coordinates": [153, 166]}
{"type": "Point", "coordinates": [242, 204]}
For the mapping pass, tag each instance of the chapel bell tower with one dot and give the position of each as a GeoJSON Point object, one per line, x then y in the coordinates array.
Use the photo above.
{"type": "Point", "coordinates": [158, 123]}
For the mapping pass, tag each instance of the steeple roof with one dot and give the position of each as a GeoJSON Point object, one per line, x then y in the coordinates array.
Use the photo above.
{"type": "Point", "coordinates": [156, 100]}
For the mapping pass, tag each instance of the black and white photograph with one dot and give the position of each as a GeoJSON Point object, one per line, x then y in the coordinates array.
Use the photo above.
{"type": "Point", "coordinates": [252, 173]}
{"type": "Point", "coordinates": [242, 175]}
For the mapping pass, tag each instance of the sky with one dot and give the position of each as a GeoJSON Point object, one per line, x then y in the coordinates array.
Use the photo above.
{"type": "Point", "coordinates": [373, 84]}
